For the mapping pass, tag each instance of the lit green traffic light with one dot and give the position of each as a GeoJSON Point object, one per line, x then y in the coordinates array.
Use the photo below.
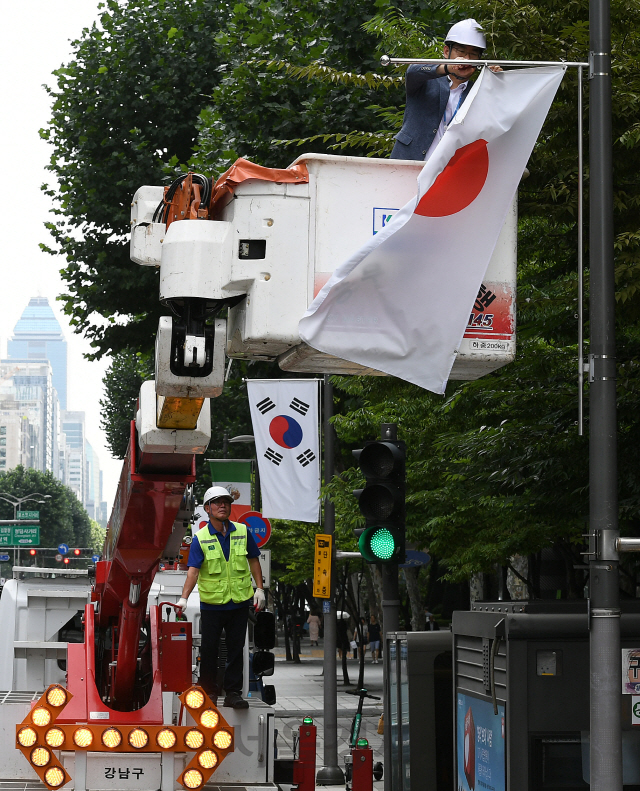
{"type": "Point", "coordinates": [377, 544]}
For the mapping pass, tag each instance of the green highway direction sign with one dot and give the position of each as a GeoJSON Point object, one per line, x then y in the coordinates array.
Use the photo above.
{"type": "Point", "coordinates": [28, 515]}
{"type": "Point", "coordinates": [19, 536]}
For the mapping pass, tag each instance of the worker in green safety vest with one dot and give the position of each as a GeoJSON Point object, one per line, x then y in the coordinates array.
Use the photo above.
{"type": "Point", "coordinates": [222, 558]}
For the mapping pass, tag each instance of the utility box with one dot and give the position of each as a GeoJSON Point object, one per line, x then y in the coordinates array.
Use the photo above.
{"type": "Point", "coordinates": [521, 676]}
{"type": "Point", "coordinates": [419, 733]}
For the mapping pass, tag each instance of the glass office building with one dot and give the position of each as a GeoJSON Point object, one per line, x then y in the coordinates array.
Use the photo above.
{"type": "Point", "coordinates": [38, 336]}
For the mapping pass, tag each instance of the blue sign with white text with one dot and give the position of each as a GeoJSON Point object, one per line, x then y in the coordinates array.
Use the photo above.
{"type": "Point", "coordinates": [480, 737]}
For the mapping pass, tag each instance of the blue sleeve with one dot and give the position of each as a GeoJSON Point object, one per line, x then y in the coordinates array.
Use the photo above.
{"type": "Point", "coordinates": [196, 555]}
{"type": "Point", "coordinates": [252, 547]}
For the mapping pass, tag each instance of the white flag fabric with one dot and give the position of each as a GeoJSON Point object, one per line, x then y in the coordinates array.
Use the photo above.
{"type": "Point", "coordinates": [401, 303]}
{"type": "Point", "coordinates": [284, 413]}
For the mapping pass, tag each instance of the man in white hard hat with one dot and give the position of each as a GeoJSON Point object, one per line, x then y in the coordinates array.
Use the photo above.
{"type": "Point", "coordinates": [222, 558]}
{"type": "Point", "coordinates": [435, 93]}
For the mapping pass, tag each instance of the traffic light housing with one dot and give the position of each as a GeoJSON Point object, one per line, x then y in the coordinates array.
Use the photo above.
{"type": "Point", "coordinates": [382, 501]}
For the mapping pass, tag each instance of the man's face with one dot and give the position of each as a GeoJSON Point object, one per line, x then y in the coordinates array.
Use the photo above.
{"type": "Point", "coordinates": [219, 508]}
{"type": "Point", "coordinates": [463, 51]}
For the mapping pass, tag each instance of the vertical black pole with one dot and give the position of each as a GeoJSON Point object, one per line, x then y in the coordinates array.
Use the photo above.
{"type": "Point", "coordinates": [330, 773]}
{"type": "Point", "coordinates": [390, 624]}
{"type": "Point", "coordinates": [604, 600]}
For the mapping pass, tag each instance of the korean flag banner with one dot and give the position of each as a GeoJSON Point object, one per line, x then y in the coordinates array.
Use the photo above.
{"type": "Point", "coordinates": [284, 413]}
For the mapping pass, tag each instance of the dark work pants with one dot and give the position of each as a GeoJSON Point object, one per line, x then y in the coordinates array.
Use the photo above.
{"type": "Point", "coordinates": [234, 625]}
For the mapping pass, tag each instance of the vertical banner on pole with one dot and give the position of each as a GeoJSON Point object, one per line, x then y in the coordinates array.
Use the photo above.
{"type": "Point", "coordinates": [284, 414]}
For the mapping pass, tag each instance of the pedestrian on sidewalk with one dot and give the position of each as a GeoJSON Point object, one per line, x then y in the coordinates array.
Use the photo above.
{"type": "Point", "coordinates": [342, 637]}
{"type": "Point", "coordinates": [374, 639]}
{"type": "Point", "coordinates": [314, 627]}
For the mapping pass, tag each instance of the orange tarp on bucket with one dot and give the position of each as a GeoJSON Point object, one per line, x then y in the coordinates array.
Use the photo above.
{"type": "Point", "coordinates": [242, 170]}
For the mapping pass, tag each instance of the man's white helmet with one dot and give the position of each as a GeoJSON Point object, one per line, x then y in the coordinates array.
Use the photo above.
{"type": "Point", "coordinates": [213, 492]}
{"type": "Point", "coordinates": [467, 32]}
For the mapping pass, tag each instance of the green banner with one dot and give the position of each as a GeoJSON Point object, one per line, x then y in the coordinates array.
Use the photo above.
{"type": "Point", "coordinates": [17, 536]}
{"type": "Point", "coordinates": [238, 470]}
{"type": "Point", "coordinates": [28, 515]}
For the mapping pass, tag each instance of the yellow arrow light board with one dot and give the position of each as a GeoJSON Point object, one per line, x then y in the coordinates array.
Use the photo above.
{"type": "Point", "coordinates": [322, 567]}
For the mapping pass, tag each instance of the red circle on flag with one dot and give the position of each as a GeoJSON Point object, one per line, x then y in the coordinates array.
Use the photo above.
{"type": "Point", "coordinates": [459, 184]}
{"type": "Point", "coordinates": [259, 526]}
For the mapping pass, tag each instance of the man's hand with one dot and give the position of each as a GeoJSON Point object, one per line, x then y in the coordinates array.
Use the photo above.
{"type": "Point", "coordinates": [259, 600]}
{"type": "Point", "coordinates": [458, 69]}
{"type": "Point", "coordinates": [495, 69]}
{"type": "Point", "coordinates": [182, 604]}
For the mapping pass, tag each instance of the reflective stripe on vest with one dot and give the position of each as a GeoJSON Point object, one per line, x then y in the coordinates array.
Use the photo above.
{"type": "Point", "coordinates": [220, 580]}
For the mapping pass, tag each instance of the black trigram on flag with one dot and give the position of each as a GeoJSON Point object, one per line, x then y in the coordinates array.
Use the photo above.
{"type": "Point", "coordinates": [276, 458]}
{"type": "Point", "coordinates": [266, 405]}
{"type": "Point", "coordinates": [299, 406]}
{"type": "Point", "coordinates": [306, 457]}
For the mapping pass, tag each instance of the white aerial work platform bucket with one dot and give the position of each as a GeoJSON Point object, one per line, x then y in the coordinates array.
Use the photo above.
{"type": "Point", "coordinates": [288, 239]}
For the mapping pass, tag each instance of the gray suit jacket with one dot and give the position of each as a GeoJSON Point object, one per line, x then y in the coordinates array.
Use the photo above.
{"type": "Point", "coordinates": [427, 96]}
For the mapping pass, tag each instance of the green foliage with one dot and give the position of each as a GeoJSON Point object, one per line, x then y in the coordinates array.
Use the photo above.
{"type": "Point", "coordinates": [96, 536]}
{"type": "Point", "coordinates": [62, 517]}
{"type": "Point", "coordinates": [497, 467]}
{"type": "Point", "coordinates": [126, 102]}
{"type": "Point", "coordinates": [125, 375]}
{"type": "Point", "coordinates": [267, 47]}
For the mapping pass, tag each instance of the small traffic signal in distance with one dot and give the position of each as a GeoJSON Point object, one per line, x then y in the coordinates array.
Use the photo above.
{"type": "Point", "coordinates": [32, 552]}
{"type": "Point", "coordinates": [76, 552]}
{"type": "Point", "coordinates": [382, 501]}
{"type": "Point", "coordinates": [65, 560]}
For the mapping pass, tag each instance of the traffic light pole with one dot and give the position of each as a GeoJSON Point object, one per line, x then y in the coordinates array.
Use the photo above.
{"type": "Point", "coordinates": [330, 774]}
{"type": "Point", "coordinates": [390, 623]}
{"type": "Point", "coordinates": [604, 598]}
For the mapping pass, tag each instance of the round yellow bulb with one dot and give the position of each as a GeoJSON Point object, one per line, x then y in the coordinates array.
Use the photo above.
{"type": "Point", "coordinates": [54, 737]}
{"type": "Point", "coordinates": [209, 718]}
{"type": "Point", "coordinates": [207, 759]}
{"type": "Point", "coordinates": [27, 737]}
{"type": "Point", "coordinates": [112, 738]}
{"type": "Point", "coordinates": [41, 716]}
{"type": "Point", "coordinates": [193, 778]}
{"type": "Point", "coordinates": [82, 737]}
{"type": "Point", "coordinates": [138, 738]}
{"type": "Point", "coordinates": [166, 739]}
{"type": "Point", "coordinates": [222, 740]}
{"type": "Point", "coordinates": [40, 756]}
{"type": "Point", "coordinates": [194, 739]}
{"type": "Point", "coordinates": [54, 776]}
{"type": "Point", "coordinates": [194, 698]}
{"type": "Point", "coordinates": [56, 696]}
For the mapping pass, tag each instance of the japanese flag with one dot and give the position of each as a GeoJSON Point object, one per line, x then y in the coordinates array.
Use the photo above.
{"type": "Point", "coordinates": [401, 303]}
{"type": "Point", "coordinates": [284, 413]}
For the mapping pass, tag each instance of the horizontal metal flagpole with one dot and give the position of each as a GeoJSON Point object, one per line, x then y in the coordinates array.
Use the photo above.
{"type": "Point", "coordinates": [385, 60]}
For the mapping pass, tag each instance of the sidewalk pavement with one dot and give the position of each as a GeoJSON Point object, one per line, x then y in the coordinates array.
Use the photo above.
{"type": "Point", "coordinates": [299, 690]}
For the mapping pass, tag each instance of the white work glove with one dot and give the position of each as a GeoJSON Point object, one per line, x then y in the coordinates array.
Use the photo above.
{"type": "Point", "coordinates": [259, 600]}
{"type": "Point", "coordinates": [182, 604]}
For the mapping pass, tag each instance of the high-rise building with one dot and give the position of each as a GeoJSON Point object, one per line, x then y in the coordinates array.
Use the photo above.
{"type": "Point", "coordinates": [72, 424]}
{"type": "Point", "coordinates": [92, 482]}
{"type": "Point", "coordinates": [29, 416]}
{"type": "Point", "coordinates": [38, 336]}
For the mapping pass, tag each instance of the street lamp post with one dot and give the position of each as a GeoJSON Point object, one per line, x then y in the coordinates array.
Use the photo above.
{"type": "Point", "coordinates": [16, 502]}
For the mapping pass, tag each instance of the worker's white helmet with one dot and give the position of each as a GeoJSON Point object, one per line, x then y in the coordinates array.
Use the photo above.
{"type": "Point", "coordinates": [467, 32]}
{"type": "Point", "coordinates": [214, 492]}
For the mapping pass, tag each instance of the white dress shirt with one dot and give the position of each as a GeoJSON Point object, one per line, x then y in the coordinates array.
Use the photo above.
{"type": "Point", "coordinates": [453, 102]}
